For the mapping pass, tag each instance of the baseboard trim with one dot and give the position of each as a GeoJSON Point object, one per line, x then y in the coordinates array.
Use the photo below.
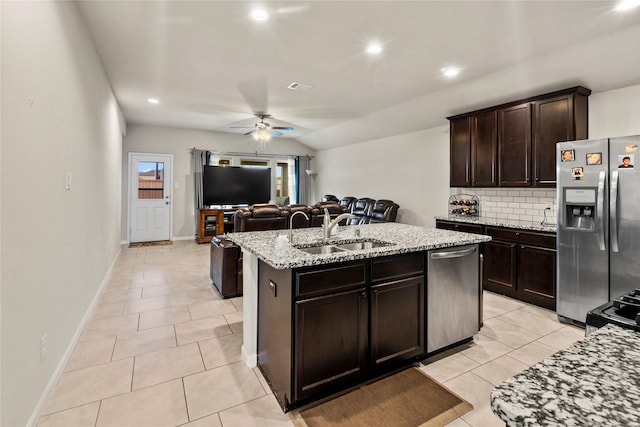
{"type": "Point", "coordinates": [183, 238]}
{"type": "Point", "coordinates": [48, 391]}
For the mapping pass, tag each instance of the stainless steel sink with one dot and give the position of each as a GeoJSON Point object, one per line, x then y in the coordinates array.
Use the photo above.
{"type": "Point", "coordinates": [323, 250]}
{"type": "Point", "coordinates": [362, 245]}
{"type": "Point", "coordinates": [342, 247]}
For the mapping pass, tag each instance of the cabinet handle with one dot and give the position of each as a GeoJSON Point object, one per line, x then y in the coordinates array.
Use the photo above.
{"type": "Point", "coordinates": [375, 291]}
{"type": "Point", "coordinates": [364, 293]}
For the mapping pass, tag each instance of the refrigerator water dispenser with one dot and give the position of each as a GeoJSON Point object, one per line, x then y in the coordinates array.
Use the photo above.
{"type": "Point", "coordinates": [580, 208]}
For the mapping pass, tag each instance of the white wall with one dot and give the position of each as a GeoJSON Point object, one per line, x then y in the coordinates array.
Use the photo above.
{"type": "Point", "coordinates": [410, 169]}
{"type": "Point", "coordinates": [165, 140]}
{"type": "Point", "coordinates": [413, 169]}
{"type": "Point", "coordinates": [615, 113]}
{"type": "Point", "coordinates": [58, 115]}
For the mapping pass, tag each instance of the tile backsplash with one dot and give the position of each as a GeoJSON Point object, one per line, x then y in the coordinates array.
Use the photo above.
{"type": "Point", "coordinates": [513, 203]}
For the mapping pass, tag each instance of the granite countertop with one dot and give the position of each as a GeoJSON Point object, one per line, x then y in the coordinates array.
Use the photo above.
{"type": "Point", "coordinates": [403, 238]}
{"type": "Point", "coordinates": [511, 223]}
{"type": "Point", "coordinates": [595, 382]}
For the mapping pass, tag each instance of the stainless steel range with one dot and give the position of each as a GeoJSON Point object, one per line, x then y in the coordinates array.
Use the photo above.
{"type": "Point", "coordinates": [623, 311]}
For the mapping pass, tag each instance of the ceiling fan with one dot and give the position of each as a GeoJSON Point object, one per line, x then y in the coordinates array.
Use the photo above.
{"type": "Point", "coordinates": [262, 130]}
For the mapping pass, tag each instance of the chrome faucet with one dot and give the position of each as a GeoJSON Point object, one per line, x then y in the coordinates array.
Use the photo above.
{"type": "Point", "coordinates": [291, 225]}
{"type": "Point", "coordinates": [328, 225]}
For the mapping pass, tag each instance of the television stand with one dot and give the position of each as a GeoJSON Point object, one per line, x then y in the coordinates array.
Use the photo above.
{"type": "Point", "coordinates": [214, 221]}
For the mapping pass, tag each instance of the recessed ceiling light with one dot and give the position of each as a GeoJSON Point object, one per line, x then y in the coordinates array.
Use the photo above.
{"type": "Point", "coordinates": [259, 15]}
{"type": "Point", "coordinates": [625, 5]}
{"type": "Point", "coordinates": [153, 101]}
{"type": "Point", "coordinates": [374, 48]}
{"type": "Point", "coordinates": [450, 71]}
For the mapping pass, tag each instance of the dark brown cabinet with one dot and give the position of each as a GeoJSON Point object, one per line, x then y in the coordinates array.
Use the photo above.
{"type": "Point", "coordinates": [556, 119]}
{"type": "Point", "coordinates": [331, 342]}
{"type": "Point", "coordinates": [322, 329]}
{"type": "Point", "coordinates": [397, 321]}
{"type": "Point", "coordinates": [514, 140]}
{"type": "Point", "coordinates": [519, 264]}
{"type": "Point", "coordinates": [484, 149]}
{"type": "Point", "coordinates": [513, 144]}
{"type": "Point", "coordinates": [460, 152]}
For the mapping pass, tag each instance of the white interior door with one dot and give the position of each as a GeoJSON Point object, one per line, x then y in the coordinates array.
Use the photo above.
{"type": "Point", "coordinates": [150, 177]}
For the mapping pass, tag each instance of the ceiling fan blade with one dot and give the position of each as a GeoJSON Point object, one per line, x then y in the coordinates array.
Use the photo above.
{"type": "Point", "coordinates": [241, 127]}
{"type": "Point", "coordinates": [282, 127]}
{"type": "Point", "coordinates": [249, 133]}
{"type": "Point", "coordinates": [275, 132]}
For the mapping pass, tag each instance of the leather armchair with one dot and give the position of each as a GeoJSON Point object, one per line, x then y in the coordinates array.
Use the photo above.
{"type": "Point", "coordinates": [330, 198]}
{"type": "Point", "coordinates": [360, 208]}
{"type": "Point", "coordinates": [346, 203]}
{"type": "Point", "coordinates": [260, 217]}
{"type": "Point", "coordinates": [383, 211]}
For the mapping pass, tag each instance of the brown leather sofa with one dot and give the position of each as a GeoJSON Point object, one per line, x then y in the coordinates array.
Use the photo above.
{"type": "Point", "coordinates": [225, 268]}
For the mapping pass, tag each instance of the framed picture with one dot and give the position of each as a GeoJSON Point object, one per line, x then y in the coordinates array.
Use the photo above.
{"type": "Point", "coordinates": [577, 174]}
{"type": "Point", "coordinates": [567, 155]}
{"type": "Point", "coordinates": [594, 159]}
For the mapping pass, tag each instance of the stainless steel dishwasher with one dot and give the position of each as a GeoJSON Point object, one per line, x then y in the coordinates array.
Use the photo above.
{"type": "Point", "coordinates": [453, 292]}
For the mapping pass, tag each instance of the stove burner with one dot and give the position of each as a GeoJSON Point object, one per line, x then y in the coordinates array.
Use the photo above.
{"type": "Point", "coordinates": [623, 311]}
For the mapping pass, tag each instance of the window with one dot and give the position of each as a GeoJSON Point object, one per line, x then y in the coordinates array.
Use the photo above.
{"type": "Point", "coordinates": [150, 180]}
{"type": "Point", "coordinates": [282, 179]}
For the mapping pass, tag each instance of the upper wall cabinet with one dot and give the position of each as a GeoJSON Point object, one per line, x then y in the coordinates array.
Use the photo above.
{"type": "Point", "coordinates": [513, 145]}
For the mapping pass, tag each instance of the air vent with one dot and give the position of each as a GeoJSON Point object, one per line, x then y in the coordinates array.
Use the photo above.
{"type": "Point", "coordinates": [299, 86]}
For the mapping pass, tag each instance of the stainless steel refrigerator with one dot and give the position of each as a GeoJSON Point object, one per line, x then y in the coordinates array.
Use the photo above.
{"type": "Point", "coordinates": [598, 243]}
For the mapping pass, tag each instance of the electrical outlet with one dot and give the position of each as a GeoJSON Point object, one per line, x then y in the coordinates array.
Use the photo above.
{"type": "Point", "coordinates": [43, 347]}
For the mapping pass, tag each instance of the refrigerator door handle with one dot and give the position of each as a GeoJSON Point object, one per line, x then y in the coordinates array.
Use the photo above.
{"type": "Point", "coordinates": [613, 209]}
{"type": "Point", "coordinates": [600, 209]}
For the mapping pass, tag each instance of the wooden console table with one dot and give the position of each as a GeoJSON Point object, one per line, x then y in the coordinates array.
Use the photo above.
{"type": "Point", "coordinates": [210, 223]}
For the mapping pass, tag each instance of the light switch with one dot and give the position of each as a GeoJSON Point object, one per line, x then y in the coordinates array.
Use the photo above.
{"type": "Point", "coordinates": [67, 181]}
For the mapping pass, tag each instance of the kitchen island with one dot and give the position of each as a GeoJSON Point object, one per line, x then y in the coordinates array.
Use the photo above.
{"type": "Point", "coordinates": [322, 315]}
{"type": "Point", "coordinates": [595, 382]}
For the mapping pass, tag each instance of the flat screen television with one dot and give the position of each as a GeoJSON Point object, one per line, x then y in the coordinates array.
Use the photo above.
{"type": "Point", "coordinates": [235, 185]}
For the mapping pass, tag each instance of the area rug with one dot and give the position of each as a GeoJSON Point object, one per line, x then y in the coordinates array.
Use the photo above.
{"type": "Point", "coordinates": [409, 398]}
{"type": "Point", "coordinates": [145, 244]}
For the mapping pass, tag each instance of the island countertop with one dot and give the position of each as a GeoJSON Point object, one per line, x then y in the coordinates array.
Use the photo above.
{"type": "Point", "coordinates": [595, 382]}
{"type": "Point", "coordinates": [402, 238]}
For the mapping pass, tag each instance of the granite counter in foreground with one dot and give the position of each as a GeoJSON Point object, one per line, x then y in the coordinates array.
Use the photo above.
{"type": "Point", "coordinates": [595, 382]}
{"type": "Point", "coordinates": [402, 238]}
{"type": "Point", "coordinates": [509, 223]}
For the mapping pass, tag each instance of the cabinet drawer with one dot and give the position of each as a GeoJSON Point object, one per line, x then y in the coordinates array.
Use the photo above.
{"type": "Point", "coordinates": [544, 240]}
{"type": "Point", "coordinates": [397, 266]}
{"type": "Point", "coordinates": [330, 279]}
{"type": "Point", "coordinates": [459, 226]}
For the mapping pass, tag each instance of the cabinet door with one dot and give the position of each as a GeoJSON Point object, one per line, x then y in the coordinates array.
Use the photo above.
{"type": "Point", "coordinates": [331, 343]}
{"type": "Point", "coordinates": [397, 321]}
{"type": "Point", "coordinates": [537, 275]}
{"type": "Point", "coordinates": [499, 267]}
{"type": "Point", "coordinates": [553, 123]}
{"type": "Point", "coordinates": [460, 152]}
{"type": "Point", "coordinates": [484, 149]}
{"type": "Point", "coordinates": [514, 140]}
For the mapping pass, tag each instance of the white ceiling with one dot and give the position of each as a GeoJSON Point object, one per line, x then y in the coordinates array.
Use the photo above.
{"type": "Point", "coordinates": [212, 67]}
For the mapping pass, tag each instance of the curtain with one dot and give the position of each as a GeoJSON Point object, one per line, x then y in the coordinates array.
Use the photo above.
{"type": "Point", "coordinates": [199, 159]}
{"type": "Point", "coordinates": [305, 185]}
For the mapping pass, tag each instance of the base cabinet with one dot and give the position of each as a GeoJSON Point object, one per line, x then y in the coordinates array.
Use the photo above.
{"type": "Point", "coordinates": [519, 264]}
{"type": "Point", "coordinates": [331, 342]}
{"type": "Point", "coordinates": [322, 329]}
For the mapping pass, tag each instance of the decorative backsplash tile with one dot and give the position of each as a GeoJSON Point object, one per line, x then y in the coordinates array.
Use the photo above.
{"type": "Point", "coordinates": [513, 203]}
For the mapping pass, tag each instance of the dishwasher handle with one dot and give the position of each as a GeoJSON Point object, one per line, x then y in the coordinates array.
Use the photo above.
{"type": "Point", "coordinates": [453, 254]}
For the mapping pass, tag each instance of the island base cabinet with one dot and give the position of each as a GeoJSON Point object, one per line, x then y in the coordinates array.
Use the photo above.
{"type": "Point", "coordinates": [331, 342]}
{"type": "Point", "coordinates": [397, 322]}
{"type": "Point", "coordinates": [274, 330]}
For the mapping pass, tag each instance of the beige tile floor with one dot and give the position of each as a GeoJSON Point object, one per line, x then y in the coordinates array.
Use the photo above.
{"type": "Point", "coordinates": [163, 349]}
